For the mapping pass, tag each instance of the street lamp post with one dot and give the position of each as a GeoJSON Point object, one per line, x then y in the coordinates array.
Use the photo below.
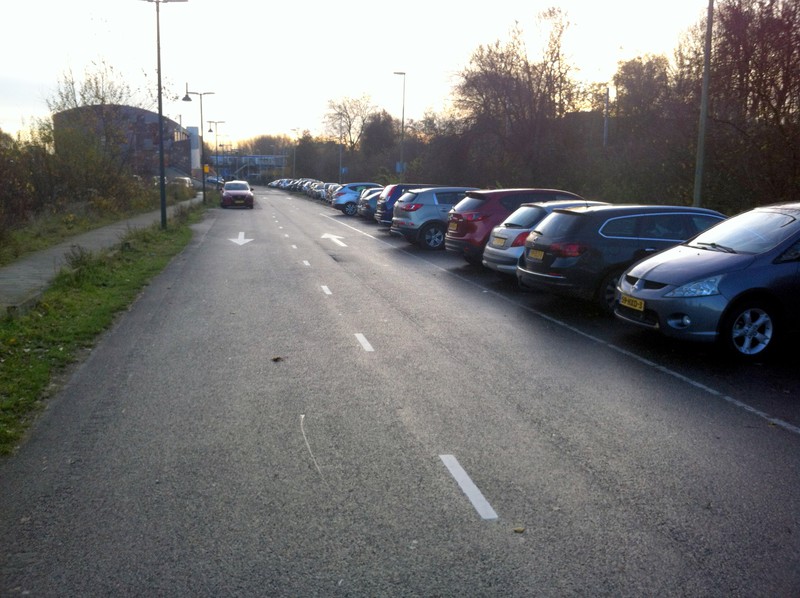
{"type": "Point", "coordinates": [402, 125]}
{"type": "Point", "coordinates": [215, 130]}
{"type": "Point", "coordinates": [294, 155]}
{"type": "Point", "coordinates": [187, 98]}
{"type": "Point", "coordinates": [161, 166]}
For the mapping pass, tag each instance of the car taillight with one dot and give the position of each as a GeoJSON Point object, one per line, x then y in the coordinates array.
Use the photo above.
{"type": "Point", "coordinates": [473, 216]}
{"type": "Point", "coordinates": [411, 207]}
{"type": "Point", "coordinates": [567, 249]}
{"type": "Point", "coordinates": [520, 240]}
{"type": "Point", "coordinates": [339, 194]}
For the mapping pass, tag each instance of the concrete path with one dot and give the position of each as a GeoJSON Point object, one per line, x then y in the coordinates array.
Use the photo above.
{"type": "Point", "coordinates": [23, 282]}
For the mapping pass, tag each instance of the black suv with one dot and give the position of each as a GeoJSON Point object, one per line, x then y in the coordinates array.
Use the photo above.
{"type": "Point", "coordinates": [384, 209]}
{"type": "Point", "coordinates": [583, 251]}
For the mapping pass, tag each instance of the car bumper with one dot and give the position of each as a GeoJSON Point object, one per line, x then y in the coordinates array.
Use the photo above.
{"type": "Point", "coordinates": [465, 248]}
{"type": "Point", "coordinates": [410, 234]}
{"type": "Point", "coordinates": [694, 319]}
{"type": "Point", "coordinates": [502, 261]}
{"type": "Point", "coordinates": [553, 282]}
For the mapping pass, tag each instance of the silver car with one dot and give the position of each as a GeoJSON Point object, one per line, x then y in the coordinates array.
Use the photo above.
{"type": "Point", "coordinates": [507, 240]}
{"type": "Point", "coordinates": [420, 215]}
{"type": "Point", "coordinates": [345, 198]}
{"type": "Point", "coordinates": [737, 283]}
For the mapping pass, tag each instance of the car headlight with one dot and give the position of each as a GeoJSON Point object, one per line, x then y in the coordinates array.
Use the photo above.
{"type": "Point", "coordinates": [699, 288]}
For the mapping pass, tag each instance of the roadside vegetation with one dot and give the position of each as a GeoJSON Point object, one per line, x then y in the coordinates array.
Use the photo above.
{"type": "Point", "coordinates": [38, 346]}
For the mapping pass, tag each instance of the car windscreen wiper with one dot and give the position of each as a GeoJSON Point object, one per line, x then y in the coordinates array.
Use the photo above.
{"type": "Point", "coordinates": [717, 247]}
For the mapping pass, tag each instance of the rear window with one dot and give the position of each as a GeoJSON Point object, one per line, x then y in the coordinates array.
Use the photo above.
{"type": "Point", "coordinates": [558, 223]}
{"type": "Point", "coordinates": [386, 191]}
{"type": "Point", "coordinates": [448, 198]}
{"type": "Point", "coordinates": [525, 217]}
{"type": "Point", "coordinates": [471, 204]}
{"type": "Point", "coordinates": [408, 196]}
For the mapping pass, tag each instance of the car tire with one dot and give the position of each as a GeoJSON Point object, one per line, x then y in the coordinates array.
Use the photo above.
{"type": "Point", "coordinates": [431, 237]}
{"type": "Point", "coordinates": [606, 293]}
{"type": "Point", "coordinates": [350, 209]}
{"type": "Point", "coordinates": [750, 329]}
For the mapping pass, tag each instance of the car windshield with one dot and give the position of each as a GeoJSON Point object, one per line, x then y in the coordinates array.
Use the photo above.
{"type": "Point", "coordinates": [751, 233]}
{"type": "Point", "coordinates": [525, 217]}
{"type": "Point", "coordinates": [236, 186]}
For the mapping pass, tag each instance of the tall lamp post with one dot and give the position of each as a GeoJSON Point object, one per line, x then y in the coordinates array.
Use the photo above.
{"type": "Point", "coordinates": [294, 155]}
{"type": "Point", "coordinates": [187, 98]}
{"type": "Point", "coordinates": [161, 167]}
{"type": "Point", "coordinates": [402, 125]}
{"type": "Point", "coordinates": [215, 130]}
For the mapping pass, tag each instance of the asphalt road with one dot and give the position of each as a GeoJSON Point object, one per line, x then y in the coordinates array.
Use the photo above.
{"type": "Point", "coordinates": [302, 405]}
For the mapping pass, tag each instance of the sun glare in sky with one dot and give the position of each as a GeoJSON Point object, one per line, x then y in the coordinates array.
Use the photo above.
{"type": "Point", "coordinates": [273, 67]}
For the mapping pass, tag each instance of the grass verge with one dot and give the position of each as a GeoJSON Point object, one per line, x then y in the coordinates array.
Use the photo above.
{"type": "Point", "coordinates": [81, 303]}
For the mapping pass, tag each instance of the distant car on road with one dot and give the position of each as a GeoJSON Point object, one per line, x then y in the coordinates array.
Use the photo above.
{"type": "Point", "coordinates": [237, 194]}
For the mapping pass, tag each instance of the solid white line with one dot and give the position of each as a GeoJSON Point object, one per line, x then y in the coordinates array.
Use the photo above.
{"type": "Point", "coordinates": [364, 342]}
{"type": "Point", "coordinates": [326, 290]}
{"type": "Point", "coordinates": [469, 488]}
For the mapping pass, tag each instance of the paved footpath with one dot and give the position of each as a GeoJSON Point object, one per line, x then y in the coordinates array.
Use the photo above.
{"type": "Point", "coordinates": [23, 282]}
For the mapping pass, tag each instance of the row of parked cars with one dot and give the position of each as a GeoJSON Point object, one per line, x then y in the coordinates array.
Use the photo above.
{"type": "Point", "coordinates": [688, 272]}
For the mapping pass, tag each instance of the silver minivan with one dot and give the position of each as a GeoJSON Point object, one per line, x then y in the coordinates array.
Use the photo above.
{"type": "Point", "coordinates": [420, 215]}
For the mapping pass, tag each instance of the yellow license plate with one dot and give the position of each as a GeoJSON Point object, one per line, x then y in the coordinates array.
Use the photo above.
{"type": "Point", "coordinates": [498, 242]}
{"type": "Point", "coordinates": [631, 302]}
{"type": "Point", "coordinates": [452, 226]}
{"type": "Point", "coordinates": [535, 254]}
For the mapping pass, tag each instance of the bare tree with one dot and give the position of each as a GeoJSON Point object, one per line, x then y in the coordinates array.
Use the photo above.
{"type": "Point", "coordinates": [347, 118]}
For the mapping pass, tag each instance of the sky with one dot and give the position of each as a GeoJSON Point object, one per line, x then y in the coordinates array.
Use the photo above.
{"type": "Point", "coordinates": [273, 67]}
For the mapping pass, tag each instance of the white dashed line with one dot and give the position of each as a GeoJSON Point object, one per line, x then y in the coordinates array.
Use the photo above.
{"type": "Point", "coordinates": [326, 290]}
{"type": "Point", "coordinates": [306, 263]}
{"type": "Point", "coordinates": [364, 342]}
{"type": "Point", "coordinates": [474, 495]}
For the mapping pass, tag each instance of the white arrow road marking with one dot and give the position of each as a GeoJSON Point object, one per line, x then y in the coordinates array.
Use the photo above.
{"type": "Point", "coordinates": [334, 238]}
{"type": "Point", "coordinates": [241, 240]}
{"type": "Point", "coordinates": [474, 495]}
{"type": "Point", "coordinates": [364, 342]}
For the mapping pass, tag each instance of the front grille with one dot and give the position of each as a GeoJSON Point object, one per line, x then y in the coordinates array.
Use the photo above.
{"type": "Point", "coordinates": [646, 317]}
{"type": "Point", "coordinates": [650, 285]}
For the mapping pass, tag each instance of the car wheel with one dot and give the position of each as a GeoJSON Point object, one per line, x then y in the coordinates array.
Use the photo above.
{"type": "Point", "coordinates": [606, 294]}
{"type": "Point", "coordinates": [749, 329]}
{"type": "Point", "coordinates": [350, 209]}
{"type": "Point", "coordinates": [431, 237]}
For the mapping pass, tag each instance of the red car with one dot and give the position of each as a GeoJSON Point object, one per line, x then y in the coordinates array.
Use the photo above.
{"type": "Point", "coordinates": [237, 194]}
{"type": "Point", "coordinates": [471, 220]}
